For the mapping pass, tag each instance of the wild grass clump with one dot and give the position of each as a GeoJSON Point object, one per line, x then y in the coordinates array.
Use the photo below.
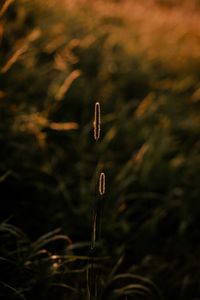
{"type": "Point", "coordinates": [49, 267]}
{"type": "Point", "coordinates": [144, 66]}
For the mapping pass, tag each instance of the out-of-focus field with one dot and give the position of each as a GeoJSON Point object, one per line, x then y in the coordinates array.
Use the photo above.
{"type": "Point", "coordinates": [156, 29]}
{"type": "Point", "coordinates": [141, 61]}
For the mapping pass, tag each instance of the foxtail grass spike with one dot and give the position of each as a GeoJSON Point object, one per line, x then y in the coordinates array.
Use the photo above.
{"type": "Point", "coordinates": [97, 121]}
{"type": "Point", "coordinates": [102, 184]}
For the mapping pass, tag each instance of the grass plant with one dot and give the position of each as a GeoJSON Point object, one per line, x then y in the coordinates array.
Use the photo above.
{"type": "Point", "coordinates": [142, 60]}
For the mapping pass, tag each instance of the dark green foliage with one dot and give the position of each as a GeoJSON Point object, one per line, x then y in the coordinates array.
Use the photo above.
{"type": "Point", "coordinates": [150, 152]}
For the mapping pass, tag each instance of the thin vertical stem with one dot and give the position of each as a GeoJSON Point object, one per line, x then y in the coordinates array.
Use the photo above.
{"type": "Point", "coordinates": [97, 128]}
{"type": "Point", "coordinates": [97, 210]}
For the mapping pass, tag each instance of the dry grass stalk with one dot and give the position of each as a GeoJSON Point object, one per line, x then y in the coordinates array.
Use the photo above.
{"type": "Point", "coordinates": [34, 35]}
{"type": "Point", "coordinates": [5, 7]}
{"type": "Point", "coordinates": [67, 83]}
{"type": "Point", "coordinates": [63, 126]}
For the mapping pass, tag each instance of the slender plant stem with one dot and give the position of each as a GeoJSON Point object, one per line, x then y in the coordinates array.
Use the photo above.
{"type": "Point", "coordinates": [97, 212]}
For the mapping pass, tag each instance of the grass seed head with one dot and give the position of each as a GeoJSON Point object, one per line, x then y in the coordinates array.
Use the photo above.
{"type": "Point", "coordinates": [97, 121]}
{"type": "Point", "coordinates": [102, 184]}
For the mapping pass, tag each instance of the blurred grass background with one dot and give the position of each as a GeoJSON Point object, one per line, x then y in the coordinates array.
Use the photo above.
{"type": "Point", "coordinates": [141, 60]}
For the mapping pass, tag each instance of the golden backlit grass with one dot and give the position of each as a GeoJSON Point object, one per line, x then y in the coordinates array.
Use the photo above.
{"type": "Point", "coordinates": [170, 33]}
